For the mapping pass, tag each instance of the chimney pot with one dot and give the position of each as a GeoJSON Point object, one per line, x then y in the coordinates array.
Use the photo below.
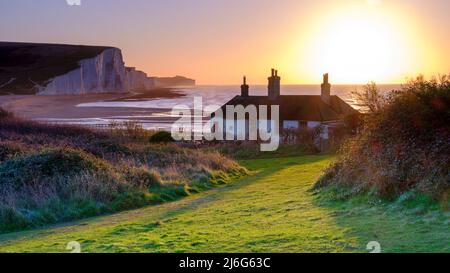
{"type": "Point", "coordinates": [274, 85]}
{"type": "Point", "coordinates": [326, 89]}
{"type": "Point", "coordinates": [245, 88]}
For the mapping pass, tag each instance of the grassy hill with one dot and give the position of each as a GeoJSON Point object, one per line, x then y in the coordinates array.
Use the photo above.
{"type": "Point", "coordinates": [53, 174]}
{"type": "Point", "coordinates": [274, 210]}
{"type": "Point", "coordinates": [29, 62]}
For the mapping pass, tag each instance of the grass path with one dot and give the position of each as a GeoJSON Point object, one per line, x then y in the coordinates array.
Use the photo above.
{"type": "Point", "coordinates": [271, 211]}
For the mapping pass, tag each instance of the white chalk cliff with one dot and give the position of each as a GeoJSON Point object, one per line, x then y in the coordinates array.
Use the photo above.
{"type": "Point", "coordinates": [138, 80]}
{"type": "Point", "coordinates": [105, 73]}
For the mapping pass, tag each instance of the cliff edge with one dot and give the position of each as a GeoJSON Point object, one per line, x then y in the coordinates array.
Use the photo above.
{"type": "Point", "coordinates": [54, 69]}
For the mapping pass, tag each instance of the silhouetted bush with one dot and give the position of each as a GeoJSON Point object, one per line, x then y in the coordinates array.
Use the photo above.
{"type": "Point", "coordinates": [161, 137]}
{"type": "Point", "coordinates": [4, 114]}
{"type": "Point", "coordinates": [403, 146]}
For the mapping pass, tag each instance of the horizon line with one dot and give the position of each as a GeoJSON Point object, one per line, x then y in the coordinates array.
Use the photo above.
{"type": "Point", "coordinates": [290, 84]}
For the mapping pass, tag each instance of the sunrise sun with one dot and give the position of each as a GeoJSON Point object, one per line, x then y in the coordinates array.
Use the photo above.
{"type": "Point", "coordinates": [358, 45]}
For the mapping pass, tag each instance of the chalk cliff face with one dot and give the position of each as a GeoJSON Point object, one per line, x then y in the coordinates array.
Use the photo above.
{"type": "Point", "coordinates": [138, 80]}
{"type": "Point", "coordinates": [104, 73]}
{"type": "Point", "coordinates": [173, 81]}
{"type": "Point", "coordinates": [27, 68]}
{"type": "Point", "coordinates": [55, 69]}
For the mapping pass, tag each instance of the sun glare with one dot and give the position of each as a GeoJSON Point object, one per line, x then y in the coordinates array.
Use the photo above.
{"type": "Point", "coordinates": [358, 45]}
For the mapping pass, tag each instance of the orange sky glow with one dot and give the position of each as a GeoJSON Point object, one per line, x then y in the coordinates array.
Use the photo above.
{"type": "Point", "coordinates": [216, 42]}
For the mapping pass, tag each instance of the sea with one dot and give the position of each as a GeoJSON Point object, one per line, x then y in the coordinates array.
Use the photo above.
{"type": "Point", "coordinates": [162, 119]}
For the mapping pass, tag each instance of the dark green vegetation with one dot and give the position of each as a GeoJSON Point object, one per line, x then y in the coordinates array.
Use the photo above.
{"type": "Point", "coordinates": [51, 174]}
{"type": "Point", "coordinates": [403, 148]}
{"type": "Point", "coordinates": [251, 150]}
{"type": "Point", "coordinates": [29, 63]}
{"type": "Point", "coordinates": [274, 210]}
{"type": "Point", "coordinates": [161, 137]}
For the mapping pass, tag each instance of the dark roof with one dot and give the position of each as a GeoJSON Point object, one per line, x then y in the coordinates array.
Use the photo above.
{"type": "Point", "coordinates": [300, 107]}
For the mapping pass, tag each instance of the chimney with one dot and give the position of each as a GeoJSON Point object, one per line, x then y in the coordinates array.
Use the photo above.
{"type": "Point", "coordinates": [326, 90]}
{"type": "Point", "coordinates": [244, 88]}
{"type": "Point", "coordinates": [274, 85]}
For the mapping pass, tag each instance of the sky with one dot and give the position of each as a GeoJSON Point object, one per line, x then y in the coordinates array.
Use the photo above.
{"type": "Point", "coordinates": [219, 41]}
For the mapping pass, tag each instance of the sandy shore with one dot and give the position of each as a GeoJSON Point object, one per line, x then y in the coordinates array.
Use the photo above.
{"type": "Point", "coordinates": [65, 107]}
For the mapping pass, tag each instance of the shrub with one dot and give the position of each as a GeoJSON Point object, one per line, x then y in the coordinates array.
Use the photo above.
{"type": "Point", "coordinates": [10, 149]}
{"type": "Point", "coordinates": [252, 150]}
{"type": "Point", "coordinates": [142, 178]}
{"type": "Point", "coordinates": [4, 114]}
{"type": "Point", "coordinates": [47, 164]}
{"type": "Point", "coordinates": [161, 137]}
{"type": "Point", "coordinates": [404, 146]}
{"type": "Point", "coordinates": [53, 173]}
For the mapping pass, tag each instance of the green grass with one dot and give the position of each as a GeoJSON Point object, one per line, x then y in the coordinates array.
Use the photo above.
{"type": "Point", "coordinates": [273, 210]}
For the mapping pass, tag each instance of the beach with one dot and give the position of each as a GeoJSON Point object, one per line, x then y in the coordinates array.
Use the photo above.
{"type": "Point", "coordinates": [65, 108]}
{"type": "Point", "coordinates": [150, 108]}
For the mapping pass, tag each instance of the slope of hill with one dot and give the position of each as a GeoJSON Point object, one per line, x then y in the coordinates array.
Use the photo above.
{"type": "Point", "coordinates": [54, 173]}
{"type": "Point", "coordinates": [272, 211]}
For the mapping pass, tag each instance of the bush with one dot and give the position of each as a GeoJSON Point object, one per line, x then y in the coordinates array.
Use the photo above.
{"type": "Point", "coordinates": [252, 150]}
{"type": "Point", "coordinates": [142, 178]}
{"type": "Point", "coordinates": [53, 173]}
{"type": "Point", "coordinates": [161, 137]}
{"type": "Point", "coordinates": [404, 146]}
{"type": "Point", "coordinates": [47, 164]}
{"type": "Point", "coordinates": [10, 149]}
{"type": "Point", "coordinates": [4, 114]}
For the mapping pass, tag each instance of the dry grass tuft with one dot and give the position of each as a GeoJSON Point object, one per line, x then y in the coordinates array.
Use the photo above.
{"type": "Point", "coordinates": [404, 146]}
{"type": "Point", "coordinates": [52, 173]}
